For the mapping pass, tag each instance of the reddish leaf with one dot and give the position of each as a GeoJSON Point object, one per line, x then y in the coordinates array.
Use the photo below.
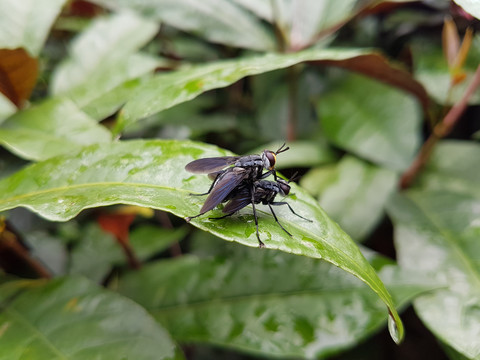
{"type": "Point", "coordinates": [18, 75]}
{"type": "Point", "coordinates": [118, 225]}
{"type": "Point", "coordinates": [378, 67]}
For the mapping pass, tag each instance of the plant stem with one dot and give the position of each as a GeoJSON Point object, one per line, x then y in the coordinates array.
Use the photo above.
{"type": "Point", "coordinates": [440, 131]}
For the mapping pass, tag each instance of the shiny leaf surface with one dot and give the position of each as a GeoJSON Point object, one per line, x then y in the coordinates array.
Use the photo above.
{"type": "Point", "coordinates": [104, 57]}
{"type": "Point", "coordinates": [220, 21]}
{"type": "Point", "coordinates": [264, 302]}
{"type": "Point", "coordinates": [26, 23]}
{"type": "Point", "coordinates": [436, 234]}
{"type": "Point", "coordinates": [372, 120]}
{"type": "Point", "coordinates": [54, 127]}
{"type": "Point", "coordinates": [71, 318]}
{"type": "Point", "coordinates": [165, 90]}
{"type": "Point", "coordinates": [301, 21]}
{"type": "Point", "coordinates": [151, 174]}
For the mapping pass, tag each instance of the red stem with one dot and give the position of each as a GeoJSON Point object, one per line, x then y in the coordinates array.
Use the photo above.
{"type": "Point", "coordinates": [441, 130]}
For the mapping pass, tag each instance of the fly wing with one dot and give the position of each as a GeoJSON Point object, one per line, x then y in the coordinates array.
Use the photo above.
{"type": "Point", "coordinates": [210, 165]}
{"type": "Point", "coordinates": [229, 181]}
{"type": "Point", "coordinates": [238, 203]}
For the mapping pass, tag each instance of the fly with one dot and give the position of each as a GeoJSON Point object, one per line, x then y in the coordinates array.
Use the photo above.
{"type": "Point", "coordinates": [230, 171]}
{"type": "Point", "coordinates": [262, 192]}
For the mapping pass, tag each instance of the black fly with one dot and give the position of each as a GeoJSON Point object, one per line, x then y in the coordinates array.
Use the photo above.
{"type": "Point", "coordinates": [230, 171]}
{"type": "Point", "coordinates": [262, 191]}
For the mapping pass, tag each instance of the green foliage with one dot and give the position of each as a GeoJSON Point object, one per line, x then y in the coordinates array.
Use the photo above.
{"type": "Point", "coordinates": [93, 186]}
{"type": "Point", "coordinates": [37, 320]}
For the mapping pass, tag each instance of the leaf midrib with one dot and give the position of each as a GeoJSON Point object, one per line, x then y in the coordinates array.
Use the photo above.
{"type": "Point", "coordinates": [249, 297]}
{"type": "Point", "coordinates": [87, 185]}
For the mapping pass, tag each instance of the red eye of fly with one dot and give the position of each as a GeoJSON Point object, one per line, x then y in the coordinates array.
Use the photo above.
{"type": "Point", "coordinates": [271, 159]}
{"type": "Point", "coordinates": [284, 187]}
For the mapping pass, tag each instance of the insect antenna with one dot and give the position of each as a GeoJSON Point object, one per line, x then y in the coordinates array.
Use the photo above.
{"type": "Point", "coordinates": [281, 149]}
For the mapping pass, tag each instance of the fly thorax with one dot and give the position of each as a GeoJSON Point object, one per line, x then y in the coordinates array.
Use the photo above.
{"type": "Point", "coordinates": [249, 161]}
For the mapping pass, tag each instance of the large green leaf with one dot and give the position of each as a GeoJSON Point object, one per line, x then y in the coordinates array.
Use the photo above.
{"type": "Point", "coordinates": [106, 41]}
{"type": "Point", "coordinates": [168, 89]}
{"type": "Point", "coordinates": [72, 318]}
{"type": "Point", "coordinates": [216, 20]}
{"type": "Point", "coordinates": [354, 195]}
{"type": "Point", "coordinates": [104, 57]}
{"type": "Point", "coordinates": [270, 303]}
{"type": "Point", "coordinates": [151, 173]}
{"type": "Point", "coordinates": [436, 233]}
{"type": "Point", "coordinates": [26, 23]}
{"type": "Point", "coordinates": [54, 127]}
{"type": "Point", "coordinates": [373, 120]}
{"type": "Point", "coordinates": [301, 20]}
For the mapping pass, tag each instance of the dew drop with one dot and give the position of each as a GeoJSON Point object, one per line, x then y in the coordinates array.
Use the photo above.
{"type": "Point", "coordinates": [393, 329]}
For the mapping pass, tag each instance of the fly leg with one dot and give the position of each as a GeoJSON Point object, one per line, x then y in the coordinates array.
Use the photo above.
{"type": "Point", "coordinates": [187, 219]}
{"type": "Point", "coordinates": [252, 192]}
{"type": "Point", "coordinates": [275, 217]}
{"type": "Point", "coordinates": [221, 217]}
{"type": "Point", "coordinates": [276, 203]}
{"type": "Point", "coordinates": [209, 190]}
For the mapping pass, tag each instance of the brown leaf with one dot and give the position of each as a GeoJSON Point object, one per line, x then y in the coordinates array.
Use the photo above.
{"type": "Point", "coordinates": [18, 75]}
{"type": "Point", "coordinates": [378, 67]}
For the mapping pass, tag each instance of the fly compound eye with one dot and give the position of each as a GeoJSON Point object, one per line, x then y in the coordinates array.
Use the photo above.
{"type": "Point", "coordinates": [271, 158]}
{"type": "Point", "coordinates": [284, 187]}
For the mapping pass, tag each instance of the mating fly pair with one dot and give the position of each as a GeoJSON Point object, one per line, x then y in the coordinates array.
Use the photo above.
{"type": "Point", "coordinates": [239, 180]}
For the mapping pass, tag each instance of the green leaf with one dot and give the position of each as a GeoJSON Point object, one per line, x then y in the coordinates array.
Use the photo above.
{"type": "Point", "coordinates": [269, 303]}
{"type": "Point", "coordinates": [151, 174]}
{"type": "Point", "coordinates": [453, 166]}
{"type": "Point", "coordinates": [355, 195]}
{"type": "Point", "coordinates": [102, 60]}
{"type": "Point", "coordinates": [106, 41]}
{"type": "Point", "coordinates": [372, 120]}
{"type": "Point", "coordinates": [219, 21]}
{"type": "Point", "coordinates": [436, 234]}
{"type": "Point", "coordinates": [95, 254]}
{"type": "Point", "coordinates": [71, 318]}
{"type": "Point", "coordinates": [470, 6]}
{"type": "Point", "coordinates": [165, 90]}
{"type": "Point", "coordinates": [54, 127]}
{"type": "Point", "coordinates": [109, 87]}
{"type": "Point", "coordinates": [26, 23]}
{"type": "Point", "coordinates": [301, 21]}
